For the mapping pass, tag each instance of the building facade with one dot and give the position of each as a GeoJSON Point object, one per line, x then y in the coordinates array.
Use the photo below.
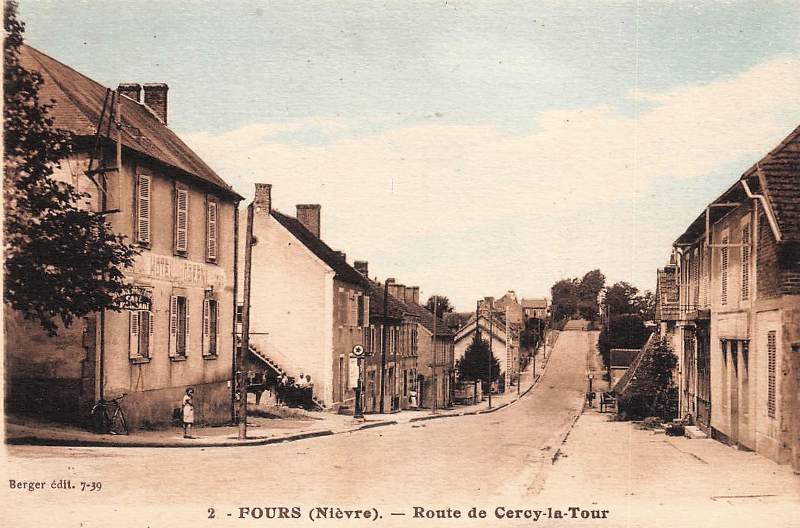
{"type": "Point", "coordinates": [739, 273]}
{"type": "Point", "coordinates": [182, 218]}
{"type": "Point", "coordinates": [308, 307]}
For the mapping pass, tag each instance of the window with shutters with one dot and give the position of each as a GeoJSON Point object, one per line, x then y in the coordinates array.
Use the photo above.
{"type": "Point", "coordinates": [724, 272]}
{"type": "Point", "coordinates": [210, 326]}
{"type": "Point", "coordinates": [746, 262]}
{"type": "Point", "coordinates": [178, 326]}
{"type": "Point", "coordinates": [212, 230]}
{"type": "Point", "coordinates": [771, 372]}
{"type": "Point", "coordinates": [143, 207]}
{"type": "Point", "coordinates": [181, 221]}
{"type": "Point", "coordinates": [140, 324]}
{"type": "Point", "coordinates": [361, 299]}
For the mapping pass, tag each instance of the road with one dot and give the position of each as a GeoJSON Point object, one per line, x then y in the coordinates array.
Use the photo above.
{"type": "Point", "coordinates": [452, 462]}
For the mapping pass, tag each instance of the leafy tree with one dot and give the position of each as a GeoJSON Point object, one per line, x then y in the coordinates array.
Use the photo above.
{"type": "Point", "coordinates": [622, 331]}
{"type": "Point", "coordinates": [588, 292]}
{"type": "Point", "coordinates": [646, 305]}
{"type": "Point", "coordinates": [474, 365]}
{"type": "Point", "coordinates": [61, 262]}
{"type": "Point", "coordinates": [621, 298]}
{"type": "Point", "coordinates": [531, 336]}
{"type": "Point", "coordinates": [651, 391]}
{"type": "Point", "coordinates": [443, 306]}
{"type": "Point", "coordinates": [564, 294]}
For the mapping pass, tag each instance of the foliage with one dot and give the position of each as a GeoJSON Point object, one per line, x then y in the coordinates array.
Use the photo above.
{"type": "Point", "coordinates": [531, 336]}
{"type": "Point", "coordinates": [564, 294]}
{"type": "Point", "coordinates": [474, 365]}
{"type": "Point", "coordinates": [60, 261]}
{"type": "Point", "coordinates": [624, 298]}
{"type": "Point", "coordinates": [442, 307]}
{"type": "Point", "coordinates": [588, 292]}
{"type": "Point", "coordinates": [622, 331]}
{"type": "Point", "coordinates": [651, 391]}
{"type": "Point", "coordinates": [577, 297]}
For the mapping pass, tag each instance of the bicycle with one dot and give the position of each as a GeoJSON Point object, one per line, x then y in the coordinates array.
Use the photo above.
{"type": "Point", "coordinates": [109, 417]}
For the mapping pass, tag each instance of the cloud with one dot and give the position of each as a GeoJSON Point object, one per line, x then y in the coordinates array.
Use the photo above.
{"type": "Point", "coordinates": [400, 189]}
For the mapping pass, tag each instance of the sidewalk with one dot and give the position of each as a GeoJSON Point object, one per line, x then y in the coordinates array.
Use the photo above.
{"type": "Point", "coordinates": [648, 479]}
{"type": "Point", "coordinates": [294, 425]}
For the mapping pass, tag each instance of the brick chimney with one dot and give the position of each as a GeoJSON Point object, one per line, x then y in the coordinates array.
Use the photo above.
{"type": "Point", "coordinates": [362, 266]}
{"type": "Point", "coordinates": [308, 215]}
{"type": "Point", "coordinates": [396, 291]}
{"type": "Point", "coordinates": [131, 90]}
{"type": "Point", "coordinates": [409, 294]}
{"type": "Point", "coordinates": [415, 294]}
{"type": "Point", "coordinates": [155, 97]}
{"type": "Point", "coordinates": [263, 199]}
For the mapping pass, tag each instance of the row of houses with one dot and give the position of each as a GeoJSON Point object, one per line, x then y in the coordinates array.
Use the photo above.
{"type": "Point", "coordinates": [309, 306]}
{"type": "Point", "coordinates": [729, 301]}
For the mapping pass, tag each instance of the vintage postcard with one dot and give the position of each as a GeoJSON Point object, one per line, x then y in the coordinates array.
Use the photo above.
{"type": "Point", "coordinates": [404, 263]}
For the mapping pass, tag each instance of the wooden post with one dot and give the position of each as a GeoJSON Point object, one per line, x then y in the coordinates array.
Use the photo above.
{"type": "Point", "coordinates": [240, 374]}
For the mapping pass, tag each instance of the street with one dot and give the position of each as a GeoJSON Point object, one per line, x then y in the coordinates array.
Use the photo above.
{"type": "Point", "coordinates": [486, 457]}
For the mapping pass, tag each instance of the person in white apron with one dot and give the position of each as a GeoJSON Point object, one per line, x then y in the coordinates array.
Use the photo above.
{"type": "Point", "coordinates": [188, 412]}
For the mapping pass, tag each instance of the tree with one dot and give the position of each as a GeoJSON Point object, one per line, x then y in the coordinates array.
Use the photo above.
{"type": "Point", "coordinates": [622, 331]}
{"type": "Point", "coordinates": [588, 292]}
{"type": "Point", "coordinates": [531, 336]}
{"type": "Point", "coordinates": [564, 294]}
{"type": "Point", "coordinates": [646, 305]}
{"type": "Point", "coordinates": [474, 365]}
{"type": "Point", "coordinates": [621, 298]}
{"type": "Point", "coordinates": [651, 391]}
{"type": "Point", "coordinates": [443, 306]}
{"type": "Point", "coordinates": [61, 261]}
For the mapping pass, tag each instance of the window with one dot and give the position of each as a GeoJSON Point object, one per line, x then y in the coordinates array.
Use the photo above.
{"type": "Point", "coordinates": [724, 272]}
{"type": "Point", "coordinates": [771, 369]}
{"type": "Point", "coordinates": [140, 324]}
{"type": "Point", "coordinates": [210, 326]}
{"type": "Point", "coordinates": [178, 326]}
{"type": "Point", "coordinates": [211, 229]}
{"type": "Point", "coordinates": [746, 262]}
{"type": "Point", "coordinates": [239, 313]}
{"type": "Point", "coordinates": [363, 310]}
{"type": "Point", "coordinates": [143, 199]}
{"type": "Point", "coordinates": [181, 220]}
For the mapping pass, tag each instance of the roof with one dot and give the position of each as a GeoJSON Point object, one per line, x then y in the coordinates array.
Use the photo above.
{"type": "Point", "coordinates": [395, 308]}
{"type": "Point", "coordinates": [78, 103]}
{"type": "Point", "coordinates": [777, 177]}
{"type": "Point", "coordinates": [498, 330]}
{"type": "Point", "coordinates": [622, 357]}
{"type": "Point", "coordinates": [780, 183]}
{"type": "Point", "coordinates": [534, 303]}
{"type": "Point", "coordinates": [626, 379]}
{"type": "Point", "coordinates": [337, 263]}
{"type": "Point", "coordinates": [667, 294]}
{"type": "Point", "coordinates": [426, 319]}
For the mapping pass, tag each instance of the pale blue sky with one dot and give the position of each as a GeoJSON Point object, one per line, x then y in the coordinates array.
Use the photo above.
{"type": "Point", "coordinates": [468, 147]}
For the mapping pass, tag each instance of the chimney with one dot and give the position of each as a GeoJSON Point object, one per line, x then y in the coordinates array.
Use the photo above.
{"type": "Point", "coordinates": [395, 291]}
{"type": "Point", "coordinates": [308, 215]}
{"type": "Point", "coordinates": [263, 199]}
{"type": "Point", "coordinates": [362, 266]}
{"type": "Point", "coordinates": [401, 292]}
{"type": "Point", "coordinates": [131, 90]}
{"type": "Point", "coordinates": [155, 97]}
{"type": "Point", "coordinates": [409, 294]}
{"type": "Point", "coordinates": [415, 294]}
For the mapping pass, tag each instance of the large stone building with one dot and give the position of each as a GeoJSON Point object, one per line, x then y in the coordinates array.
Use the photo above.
{"type": "Point", "coordinates": [181, 215]}
{"type": "Point", "coordinates": [738, 270]}
{"type": "Point", "coordinates": [308, 307]}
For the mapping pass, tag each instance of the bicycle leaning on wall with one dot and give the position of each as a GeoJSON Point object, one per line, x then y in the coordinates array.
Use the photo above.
{"type": "Point", "coordinates": [109, 418]}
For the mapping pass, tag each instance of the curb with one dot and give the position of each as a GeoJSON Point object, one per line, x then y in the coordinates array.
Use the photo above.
{"type": "Point", "coordinates": [371, 425]}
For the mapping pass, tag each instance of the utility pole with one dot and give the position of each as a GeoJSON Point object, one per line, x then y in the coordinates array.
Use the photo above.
{"type": "Point", "coordinates": [383, 341]}
{"type": "Point", "coordinates": [433, 347]}
{"type": "Point", "coordinates": [240, 374]}
{"type": "Point", "coordinates": [491, 351]}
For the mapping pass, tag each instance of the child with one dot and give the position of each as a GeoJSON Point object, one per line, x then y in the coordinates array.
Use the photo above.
{"type": "Point", "coordinates": [188, 413]}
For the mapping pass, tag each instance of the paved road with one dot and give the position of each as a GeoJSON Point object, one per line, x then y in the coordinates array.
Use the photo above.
{"type": "Point", "coordinates": [473, 460]}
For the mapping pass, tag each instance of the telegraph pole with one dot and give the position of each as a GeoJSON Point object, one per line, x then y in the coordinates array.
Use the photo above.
{"type": "Point", "coordinates": [383, 342]}
{"type": "Point", "coordinates": [240, 374]}
{"type": "Point", "coordinates": [491, 351]}
{"type": "Point", "coordinates": [433, 347]}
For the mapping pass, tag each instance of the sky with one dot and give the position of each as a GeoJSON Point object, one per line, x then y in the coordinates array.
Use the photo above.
{"type": "Point", "coordinates": [469, 148]}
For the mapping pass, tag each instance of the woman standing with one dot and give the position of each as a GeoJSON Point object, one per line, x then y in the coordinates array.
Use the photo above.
{"type": "Point", "coordinates": [188, 412]}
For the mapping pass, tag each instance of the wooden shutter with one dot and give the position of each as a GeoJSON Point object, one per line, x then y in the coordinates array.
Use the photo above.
{"type": "Point", "coordinates": [206, 325]}
{"type": "Point", "coordinates": [133, 339]}
{"type": "Point", "coordinates": [366, 310]}
{"type": "Point", "coordinates": [150, 325]}
{"type": "Point", "coordinates": [173, 326]}
{"type": "Point", "coordinates": [181, 220]}
{"type": "Point", "coordinates": [211, 230]}
{"type": "Point", "coordinates": [143, 199]}
{"type": "Point", "coordinates": [745, 286]}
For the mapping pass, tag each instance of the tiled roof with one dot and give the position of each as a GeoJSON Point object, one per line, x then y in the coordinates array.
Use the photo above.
{"type": "Point", "coordinates": [534, 303]}
{"type": "Point", "coordinates": [667, 294]}
{"type": "Point", "coordinates": [396, 309]}
{"type": "Point", "coordinates": [343, 270]}
{"type": "Point", "coordinates": [780, 170]}
{"type": "Point", "coordinates": [626, 379]}
{"type": "Point", "coordinates": [79, 103]}
{"type": "Point", "coordinates": [426, 319]}
{"type": "Point", "coordinates": [622, 357]}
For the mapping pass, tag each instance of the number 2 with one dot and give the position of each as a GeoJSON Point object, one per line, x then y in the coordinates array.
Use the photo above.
{"type": "Point", "coordinates": [211, 513]}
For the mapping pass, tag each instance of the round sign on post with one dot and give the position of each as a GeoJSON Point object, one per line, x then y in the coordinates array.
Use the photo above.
{"type": "Point", "coordinates": [358, 351]}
